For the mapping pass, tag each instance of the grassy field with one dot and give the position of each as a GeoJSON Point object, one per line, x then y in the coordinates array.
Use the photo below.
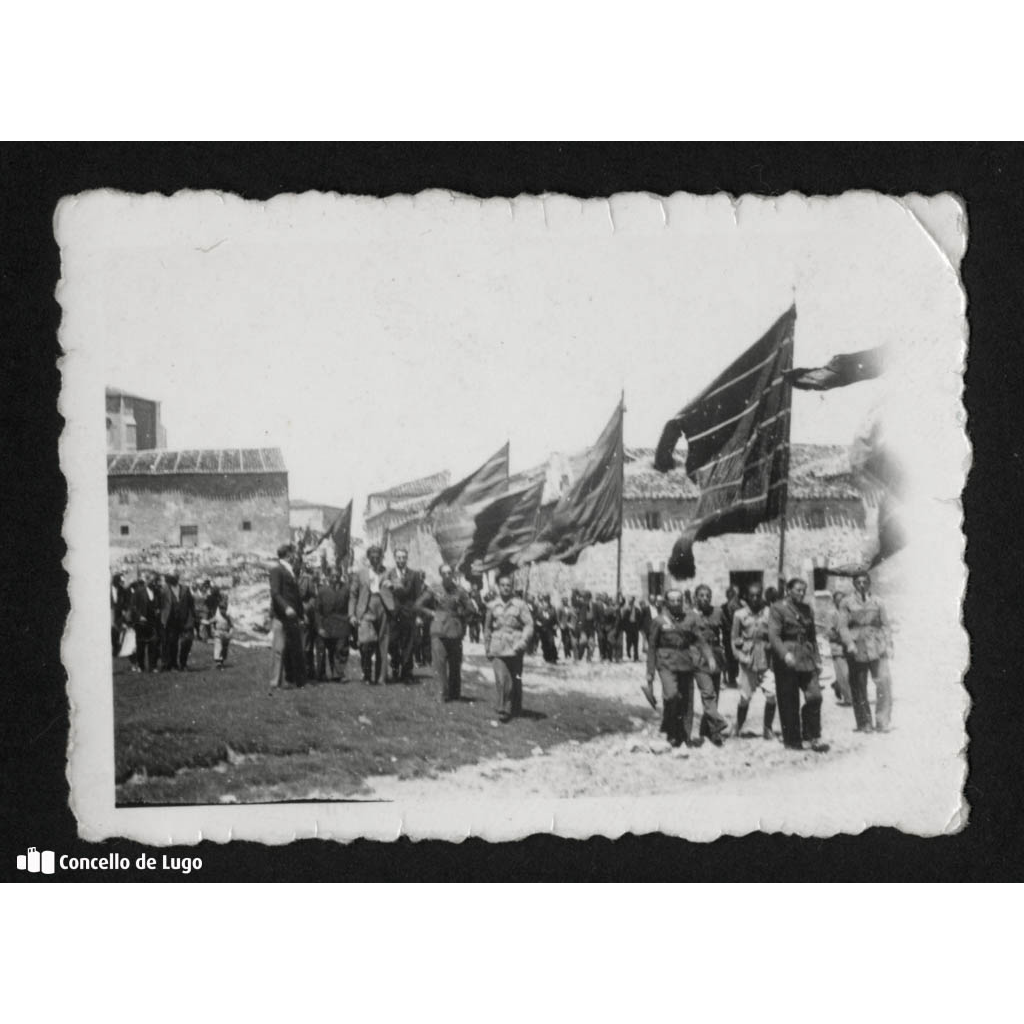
{"type": "Point", "coordinates": [207, 737]}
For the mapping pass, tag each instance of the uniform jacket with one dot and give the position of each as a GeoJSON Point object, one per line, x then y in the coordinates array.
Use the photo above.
{"type": "Point", "coordinates": [359, 595]}
{"type": "Point", "coordinates": [791, 630]}
{"type": "Point", "coordinates": [449, 611]}
{"type": "Point", "coordinates": [284, 594]}
{"type": "Point", "coordinates": [750, 637]}
{"type": "Point", "coordinates": [331, 611]}
{"type": "Point", "coordinates": [864, 628]}
{"type": "Point", "coordinates": [508, 628]}
{"type": "Point", "coordinates": [710, 630]}
{"type": "Point", "coordinates": [673, 644]}
{"type": "Point", "coordinates": [835, 637]}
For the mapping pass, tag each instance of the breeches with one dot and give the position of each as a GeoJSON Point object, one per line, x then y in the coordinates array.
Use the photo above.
{"type": "Point", "coordinates": [749, 680]}
{"type": "Point", "coordinates": [798, 723]}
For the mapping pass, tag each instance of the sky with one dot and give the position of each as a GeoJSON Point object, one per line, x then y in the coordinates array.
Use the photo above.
{"type": "Point", "coordinates": [375, 341]}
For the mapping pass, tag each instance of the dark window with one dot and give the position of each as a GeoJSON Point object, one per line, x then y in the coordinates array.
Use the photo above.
{"type": "Point", "coordinates": [743, 579]}
{"type": "Point", "coordinates": [652, 519]}
{"type": "Point", "coordinates": [655, 584]}
{"type": "Point", "coordinates": [124, 530]}
{"type": "Point", "coordinates": [246, 525]}
{"type": "Point", "coordinates": [821, 579]}
{"type": "Point", "coordinates": [190, 536]}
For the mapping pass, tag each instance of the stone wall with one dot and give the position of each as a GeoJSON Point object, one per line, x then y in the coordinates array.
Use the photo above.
{"type": "Point", "coordinates": [646, 551]}
{"type": "Point", "coordinates": [154, 512]}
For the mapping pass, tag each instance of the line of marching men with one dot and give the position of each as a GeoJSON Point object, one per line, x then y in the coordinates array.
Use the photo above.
{"type": "Point", "coordinates": [775, 647]}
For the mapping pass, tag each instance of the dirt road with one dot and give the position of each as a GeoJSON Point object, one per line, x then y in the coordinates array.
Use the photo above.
{"type": "Point", "coordinates": [909, 777]}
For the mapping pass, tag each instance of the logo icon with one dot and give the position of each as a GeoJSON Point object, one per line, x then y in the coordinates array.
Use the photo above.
{"type": "Point", "coordinates": [36, 862]}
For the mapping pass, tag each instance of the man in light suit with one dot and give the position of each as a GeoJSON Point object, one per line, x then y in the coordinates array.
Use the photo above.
{"type": "Point", "coordinates": [371, 605]}
{"type": "Point", "coordinates": [406, 588]}
{"type": "Point", "coordinates": [287, 664]}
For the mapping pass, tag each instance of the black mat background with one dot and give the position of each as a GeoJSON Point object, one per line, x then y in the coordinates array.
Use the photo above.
{"type": "Point", "coordinates": [33, 603]}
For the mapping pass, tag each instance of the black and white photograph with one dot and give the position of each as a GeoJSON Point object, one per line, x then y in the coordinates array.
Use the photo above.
{"type": "Point", "coordinates": [446, 517]}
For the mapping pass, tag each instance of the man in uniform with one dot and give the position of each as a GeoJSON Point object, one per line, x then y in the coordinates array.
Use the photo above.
{"type": "Point", "coordinates": [841, 686]}
{"type": "Point", "coordinates": [675, 654]}
{"type": "Point", "coordinates": [406, 587]}
{"type": "Point", "coordinates": [546, 623]}
{"type": "Point", "coordinates": [867, 638]}
{"type": "Point", "coordinates": [450, 610]}
{"type": "Point", "coordinates": [750, 649]}
{"type": "Point", "coordinates": [794, 646]}
{"type": "Point", "coordinates": [508, 628]}
{"type": "Point", "coordinates": [631, 623]}
{"type": "Point", "coordinates": [728, 610]}
{"type": "Point", "coordinates": [287, 664]}
{"type": "Point", "coordinates": [710, 629]}
{"type": "Point", "coordinates": [370, 606]}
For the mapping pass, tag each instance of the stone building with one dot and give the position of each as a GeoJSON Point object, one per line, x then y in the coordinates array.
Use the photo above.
{"type": "Point", "coordinates": [829, 522]}
{"type": "Point", "coordinates": [387, 512]}
{"type": "Point", "coordinates": [133, 422]}
{"type": "Point", "coordinates": [231, 498]}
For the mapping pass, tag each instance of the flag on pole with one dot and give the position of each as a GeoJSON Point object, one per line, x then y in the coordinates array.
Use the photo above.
{"type": "Point", "coordinates": [839, 371]}
{"type": "Point", "coordinates": [590, 511]}
{"type": "Point", "coordinates": [340, 532]}
{"type": "Point", "coordinates": [451, 513]}
{"type": "Point", "coordinates": [737, 432]}
{"type": "Point", "coordinates": [480, 485]}
{"type": "Point", "coordinates": [503, 529]}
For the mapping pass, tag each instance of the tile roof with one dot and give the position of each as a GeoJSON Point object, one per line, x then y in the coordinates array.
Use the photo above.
{"type": "Point", "coordinates": [425, 485]}
{"type": "Point", "coordinates": [160, 462]}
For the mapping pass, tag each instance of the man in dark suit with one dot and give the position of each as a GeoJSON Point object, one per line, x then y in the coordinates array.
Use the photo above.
{"type": "Point", "coordinates": [177, 621]}
{"type": "Point", "coordinates": [331, 624]}
{"type": "Point", "coordinates": [287, 664]}
{"type": "Point", "coordinates": [118, 612]}
{"type": "Point", "coordinates": [406, 587]}
{"type": "Point", "coordinates": [371, 604]}
{"type": "Point", "coordinates": [631, 621]}
{"type": "Point", "coordinates": [144, 612]}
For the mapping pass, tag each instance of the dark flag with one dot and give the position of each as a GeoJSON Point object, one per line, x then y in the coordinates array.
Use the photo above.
{"type": "Point", "coordinates": [503, 529]}
{"type": "Point", "coordinates": [480, 485]}
{"type": "Point", "coordinates": [840, 370]}
{"type": "Point", "coordinates": [451, 512]}
{"type": "Point", "coordinates": [340, 532]}
{"type": "Point", "coordinates": [737, 432]}
{"type": "Point", "coordinates": [309, 540]}
{"type": "Point", "coordinates": [590, 511]}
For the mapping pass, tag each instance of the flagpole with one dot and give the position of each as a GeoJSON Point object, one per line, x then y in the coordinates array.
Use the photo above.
{"type": "Point", "coordinates": [622, 491]}
{"type": "Point", "coordinates": [785, 475]}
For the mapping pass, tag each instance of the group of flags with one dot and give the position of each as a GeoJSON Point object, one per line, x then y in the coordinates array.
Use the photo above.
{"type": "Point", "coordinates": [737, 432]}
{"type": "Point", "coordinates": [481, 524]}
{"type": "Point", "coordinates": [339, 533]}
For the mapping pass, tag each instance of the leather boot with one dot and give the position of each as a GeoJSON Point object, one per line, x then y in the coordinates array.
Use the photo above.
{"type": "Point", "coordinates": [769, 718]}
{"type": "Point", "coordinates": [741, 715]}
